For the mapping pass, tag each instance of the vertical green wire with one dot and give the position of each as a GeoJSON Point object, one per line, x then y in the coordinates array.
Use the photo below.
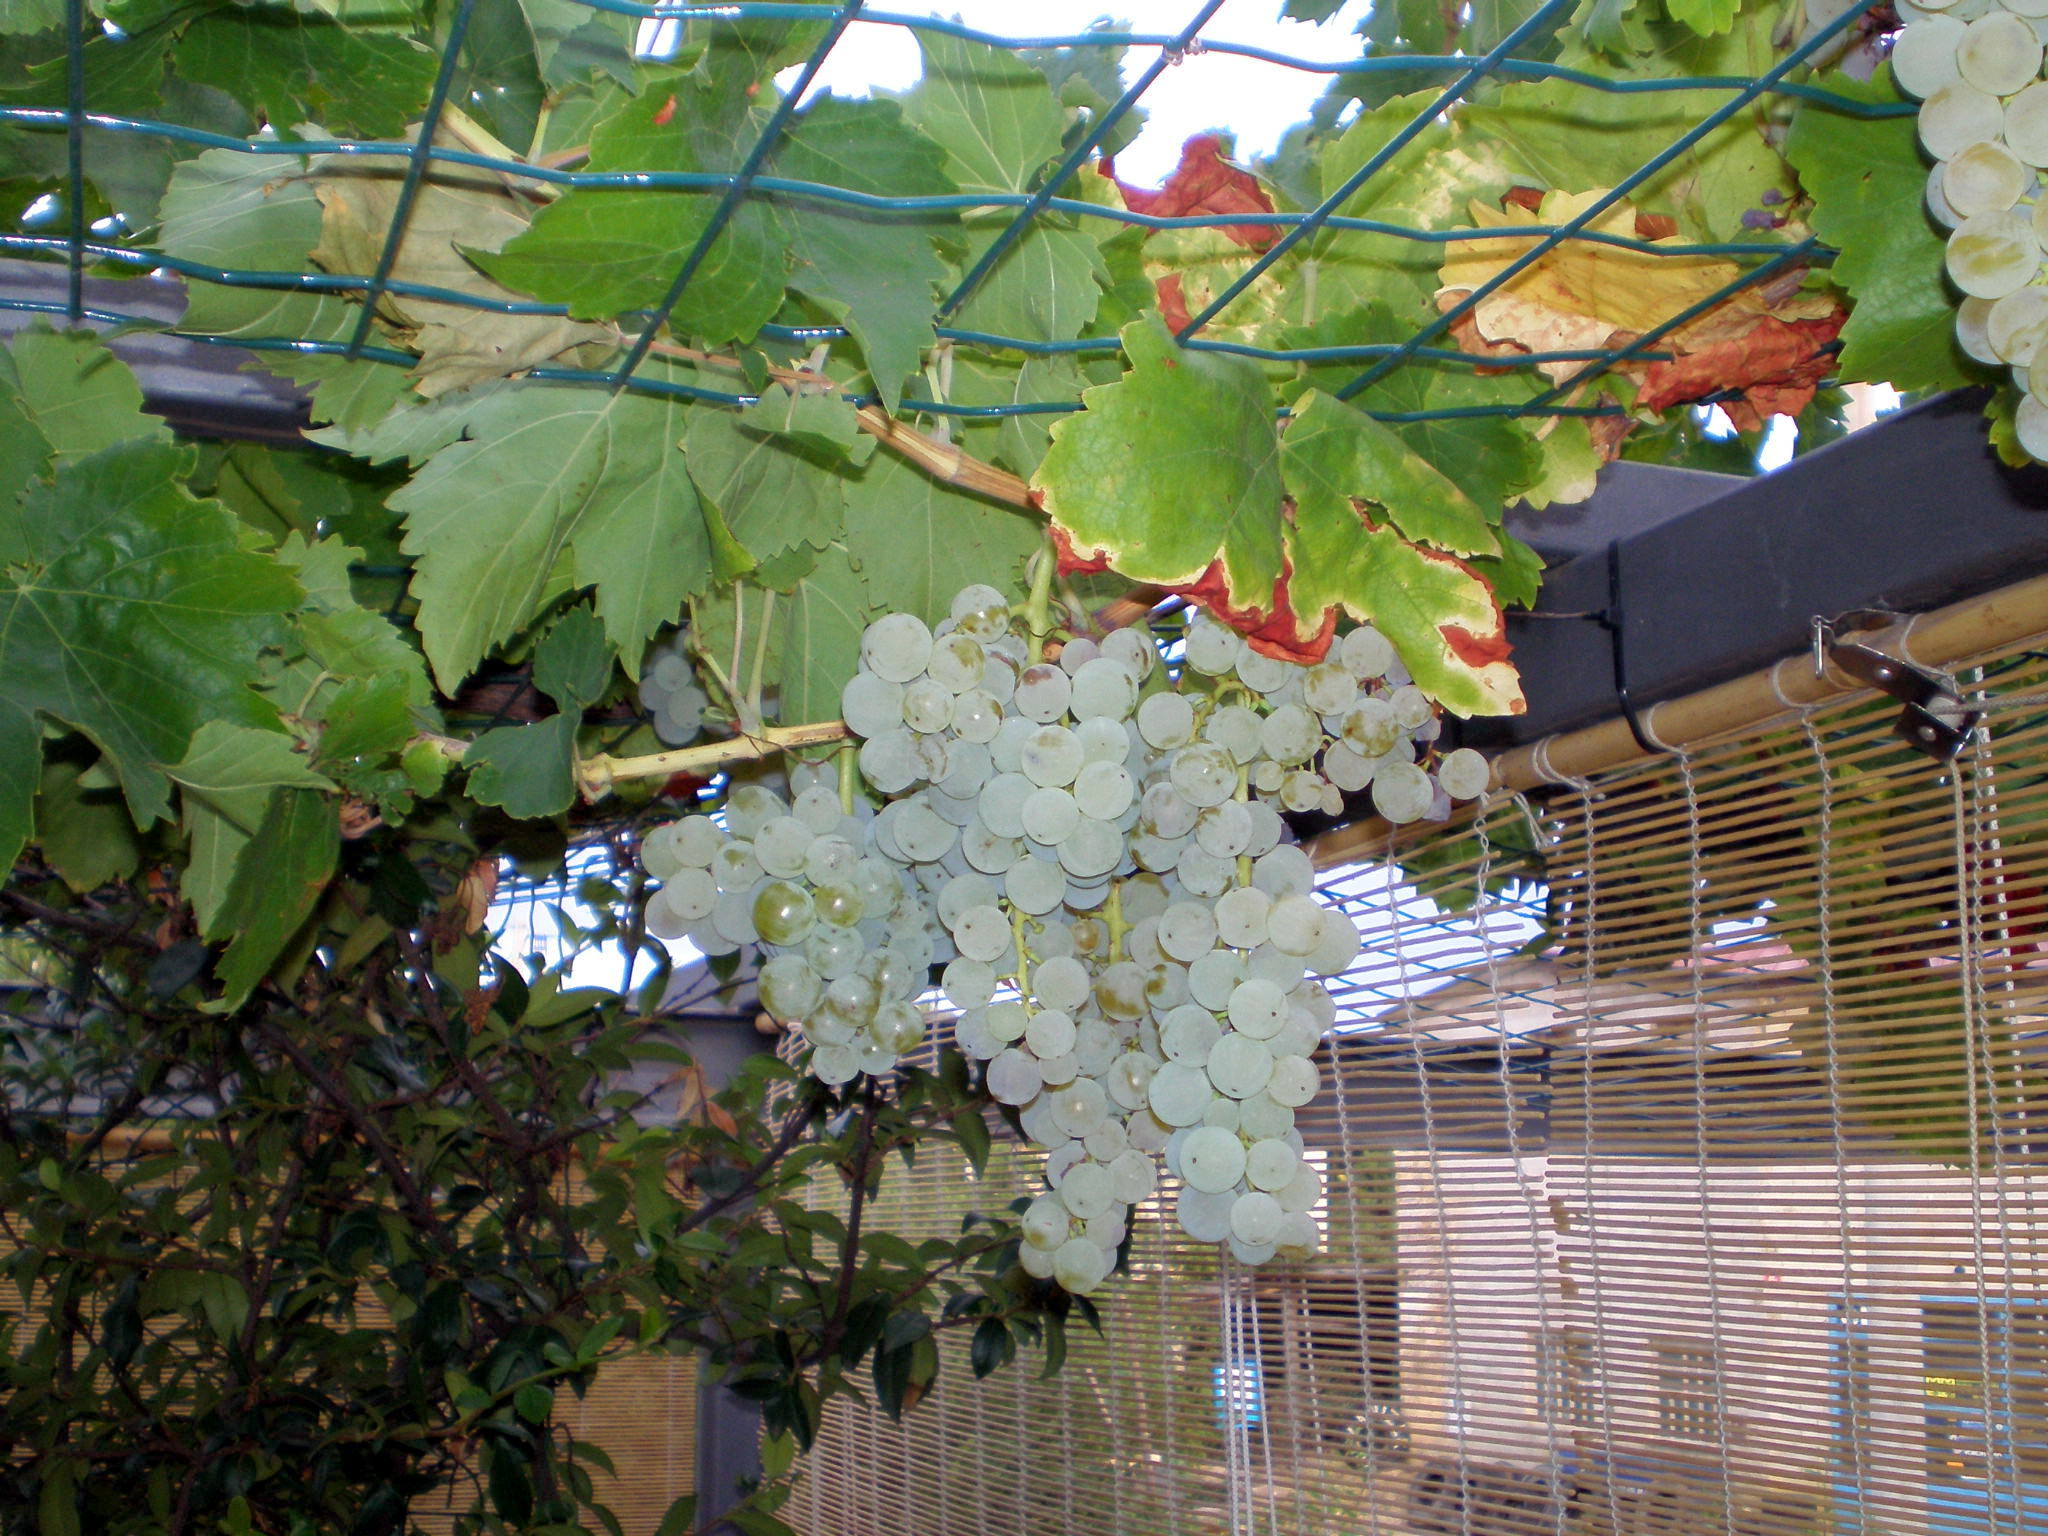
{"type": "Point", "coordinates": [74, 152]}
{"type": "Point", "coordinates": [415, 172]}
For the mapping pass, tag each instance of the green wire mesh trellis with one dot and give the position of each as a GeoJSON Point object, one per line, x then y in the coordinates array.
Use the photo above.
{"type": "Point", "coordinates": [1759, 260]}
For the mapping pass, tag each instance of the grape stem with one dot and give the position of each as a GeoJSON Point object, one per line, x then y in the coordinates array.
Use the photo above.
{"type": "Point", "coordinates": [1023, 956]}
{"type": "Point", "coordinates": [1113, 915]}
{"type": "Point", "coordinates": [849, 777]}
{"type": "Point", "coordinates": [1038, 604]}
{"type": "Point", "coordinates": [595, 776]}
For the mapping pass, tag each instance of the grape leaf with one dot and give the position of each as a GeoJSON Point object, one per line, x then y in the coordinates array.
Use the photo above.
{"type": "Point", "coordinates": [530, 770]}
{"type": "Point", "coordinates": [1172, 469]}
{"type": "Point", "coordinates": [1706, 17]}
{"type": "Point", "coordinates": [873, 271]}
{"type": "Point", "coordinates": [270, 897]}
{"type": "Point", "coordinates": [1018, 441]}
{"type": "Point", "coordinates": [291, 68]}
{"type": "Point", "coordinates": [253, 213]}
{"type": "Point", "coordinates": [1866, 178]}
{"type": "Point", "coordinates": [917, 542]}
{"type": "Point", "coordinates": [549, 468]}
{"type": "Point", "coordinates": [135, 614]}
{"type": "Point", "coordinates": [85, 834]}
{"type": "Point", "coordinates": [1440, 616]}
{"type": "Point", "coordinates": [572, 41]}
{"type": "Point", "coordinates": [226, 779]}
{"type": "Point", "coordinates": [456, 211]}
{"type": "Point", "coordinates": [810, 418]}
{"type": "Point", "coordinates": [1331, 454]}
{"type": "Point", "coordinates": [995, 114]}
{"type": "Point", "coordinates": [820, 636]}
{"type": "Point", "coordinates": [761, 494]}
{"type": "Point", "coordinates": [1045, 288]}
{"type": "Point", "coordinates": [78, 396]}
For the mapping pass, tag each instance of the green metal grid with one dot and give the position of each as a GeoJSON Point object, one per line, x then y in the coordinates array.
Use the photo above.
{"type": "Point", "coordinates": [1759, 260]}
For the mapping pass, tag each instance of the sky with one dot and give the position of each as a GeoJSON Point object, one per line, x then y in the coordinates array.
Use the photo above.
{"type": "Point", "coordinates": [1255, 100]}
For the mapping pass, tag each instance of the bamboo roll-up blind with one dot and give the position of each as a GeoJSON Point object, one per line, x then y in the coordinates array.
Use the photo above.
{"type": "Point", "coordinates": [1688, 1142]}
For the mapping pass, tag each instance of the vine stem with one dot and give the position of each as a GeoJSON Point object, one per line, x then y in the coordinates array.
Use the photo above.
{"type": "Point", "coordinates": [596, 775]}
{"type": "Point", "coordinates": [1038, 605]}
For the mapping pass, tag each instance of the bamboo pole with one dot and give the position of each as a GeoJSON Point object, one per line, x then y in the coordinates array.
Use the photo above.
{"type": "Point", "coordinates": [1782, 691]}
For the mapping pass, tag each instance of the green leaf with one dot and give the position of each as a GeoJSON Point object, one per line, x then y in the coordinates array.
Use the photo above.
{"type": "Point", "coordinates": [510, 1483]}
{"type": "Point", "coordinates": [994, 113]}
{"type": "Point", "coordinates": [85, 833]}
{"type": "Point", "coordinates": [571, 41]}
{"type": "Point", "coordinates": [1441, 618]}
{"type": "Point", "coordinates": [1046, 287]}
{"type": "Point", "coordinates": [291, 68]}
{"type": "Point", "coordinates": [255, 213]}
{"type": "Point", "coordinates": [457, 217]}
{"type": "Point", "coordinates": [573, 663]}
{"type": "Point", "coordinates": [1706, 17]}
{"type": "Point", "coordinates": [1866, 179]}
{"type": "Point", "coordinates": [135, 615]}
{"type": "Point", "coordinates": [973, 1132]}
{"type": "Point", "coordinates": [918, 542]}
{"type": "Point", "coordinates": [549, 469]}
{"type": "Point", "coordinates": [1172, 469]}
{"type": "Point", "coordinates": [680, 1519]}
{"type": "Point", "coordinates": [761, 494]}
{"type": "Point", "coordinates": [77, 396]}
{"type": "Point", "coordinates": [992, 1347]}
{"type": "Point", "coordinates": [228, 778]}
{"type": "Point", "coordinates": [272, 895]}
{"type": "Point", "coordinates": [811, 418]}
{"type": "Point", "coordinates": [20, 756]}
{"type": "Point", "coordinates": [820, 638]}
{"type": "Point", "coordinates": [871, 270]}
{"type": "Point", "coordinates": [1332, 454]}
{"type": "Point", "coordinates": [528, 770]}
{"type": "Point", "coordinates": [57, 1501]}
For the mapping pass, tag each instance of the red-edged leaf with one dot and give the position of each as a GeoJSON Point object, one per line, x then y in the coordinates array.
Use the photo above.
{"type": "Point", "coordinates": [1204, 183]}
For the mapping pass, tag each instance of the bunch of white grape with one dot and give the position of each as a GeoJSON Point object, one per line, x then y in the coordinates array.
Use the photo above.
{"type": "Point", "coordinates": [1976, 67]}
{"type": "Point", "coordinates": [670, 694]}
{"type": "Point", "coordinates": [1092, 848]}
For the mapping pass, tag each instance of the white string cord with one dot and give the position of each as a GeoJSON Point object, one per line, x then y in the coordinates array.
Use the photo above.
{"type": "Point", "coordinates": [1716, 1323]}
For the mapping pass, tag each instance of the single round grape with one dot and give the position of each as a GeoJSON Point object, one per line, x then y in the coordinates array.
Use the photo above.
{"type": "Point", "coordinates": [1130, 1079]}
{"type": "Point", "coordinates": [1241, 917]}
{"type": "Point", "coordinates": [980, 611]}
{"type": "Point", "coordinates": [1302, 790]}
{"type": "Point", "coordinates": [1957, 116]}
{"type": "Point", "coordinates": [1260, 1118]}
{"type": "Point", "coordinates": [889, 761]}
{"type": "Point", "coordinates": [1133, 650]}
{"type": "Point", "coordinates": [1222, 1113]}
{"type": "Point", "coordinates": [1204, 1216]}
{"type": "Point", "coordinates": [1166, 986]}
{"type": "Point", "coordinates": [2000, 53]}
{"type": "Point", "coordinates": [1002, 803]}
{"type": "Point", "coordinates": [1050, 1033]}
{"type": "Point", "coordinates": [1050, 816]}
{"type": "Point", "coordinates": [1935, 198]}
{"type": "Point", "coordinates": [1178, 1093]}
{"type": "Point", "coordinates": [2030, 426]}
{"type": "Point", "coordinates": [1269, 1165]}
{"type": "Point", "coordinates": [1104, 790]}
{"type": "Point", "coordinates": [1293, 1081]}
{"type": "Point", "coordinates": [2016, 327]}
{"type": "Point", "coordinates": [749, 807]}
{"type": "Point", "coordinates": [790, 988]}
{"type": "Point", "coordinates": [1013, 1077]}
{"type": "Point", "coordinates": [1187, 930]}
{"type": "Point", "coordinates": [1165, 812]}
{"type": "Point", "coordinates": [1985, 178]}
{"type": "Point", "coordinates": [1365, 653]}
{"type": "Point", "coordinates": [1105, 689]}
{"type": "Point", "coordinates": [1285, 871]}
{"type": "Point", "coordinates": [871, 704]}
{"type": "Point", "coordinates": [1212, 1159]}
{"type": "Point", "coordinates": [1203, 774]}
{"type": "Point", "coordinates": [1290, 734]}
{"type": "Point", "coordinates": [896, 646]}
{"type": "Point", "coordinates": [1061, 982]}
{"type": "Point", "coordinates": [1202, 873]}
{"type": "Point", "coordinates": [1043, 693]}
{"type": "Point", "coordinates": [982, 933]}
{"type": "Point", "coordinates": [898, 1028]}
{"type": "Point", "coordinates": [1052, 756]}
{"type": "Point", "coordinates": [690, 894]}
{"type": "Point", "coordinates": [1257, 1008]}
{"type": "Point", "coordinates": [1212, 648]}
{"type": "Point", "coordinates": [1166, 720]}
{"type": "Point", "coordinates": [1045, 1222]}
{"type": "Point", "coordinates": [1084, 1190]}
{"type": "Point", "coordinates": [1328, 687]}
{"type": "Point", "coordinates": [1235, 729]}
{"type": "Point", "coordinates": [977, 716]}
{"type": "Point", "coordinates": [1238, 1066]}
{"type": "Point", "coordinates": [968, 984]}
{"type": "Point", "coordinates": [1464, 774]}
{"type": "Point", "coordinates": [922, 834]}
{"type": "Point", "coordinates": [927, 706]}
{"type": "Point", "coordinates": [1132, 1177]}
{"type": "Point", "coordinates": [2026, 125]}
{"type": "Point", "coordinates": [1297, 1238]}
{"type": "Point", "coordinates": [1225, 830]}
{"type": "Point", "coordinates": [1295, 924]}
{"type": "Point", "coordinates": [1924, 55]}
{"type": "Point", "coordinates": [1338, 946]}
{"type": "Point", "coordinates": [1035, 886]}
{"type": "Point", "coordinates": [1106, 1143]}
{"type": "Point", "coordinates": [1007, 1021]}
{"type": "Point", "coordinates": [1080, 1106]}
{"type": "Point", "coordinates": [957, 662]}
{"type": "Point", "coordinates": [834, 952]}
{"type": "Point", "coordinates": [732, 915]}
{"type": "Point", "coordinates": [1973, 330]}
{"type": "Point", "coordinates": [1270, 963]}
{"type": "Point", "coordinates": [1092, 850]}
{"type": "Point", "coordinates": [833, 1065]}
{"type": "Point", "coordinates": [1402, 792]}
{"type": "Point", "coordinates": [1267, 829]}
{"type": "Point", "coordinates": [1255, 1218]}
{"type": "Point", "coordinates": [1076, 653]}
{"type": "Point", "coordinates": [1370, 727]}
{"type": "Point", "coordinates": [1303, 1190]}
{"type": "Point", "coordinates": [1411, 706]}
{"type": "Point", "coordinates": [1080, 1266]}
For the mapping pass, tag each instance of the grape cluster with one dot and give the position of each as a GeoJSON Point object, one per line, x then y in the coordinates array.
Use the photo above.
{"type": "Point", "coordinates": [670, 694]}
{"type": "Point", "coordinates": [1976, 67]}
{"type": "Point", "coordinates": [1093, 849]}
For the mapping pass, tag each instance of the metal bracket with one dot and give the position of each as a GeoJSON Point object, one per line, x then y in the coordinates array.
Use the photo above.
{"type": "Point", "coordinates": [1935, 721]}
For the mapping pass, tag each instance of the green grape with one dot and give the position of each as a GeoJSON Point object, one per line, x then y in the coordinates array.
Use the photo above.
{"type": "Point", "coordinates": [1212, 1159]}
{"type": "Point", "coordinates": [790, 988]}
